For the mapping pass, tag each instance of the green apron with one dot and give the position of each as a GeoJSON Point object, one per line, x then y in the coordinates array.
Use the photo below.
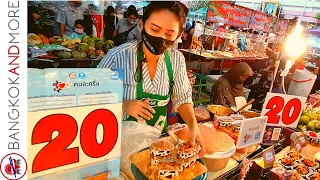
{"type": "Point", "coordinates": [157, 102]}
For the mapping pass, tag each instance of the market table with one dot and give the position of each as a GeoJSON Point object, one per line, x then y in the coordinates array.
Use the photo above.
{"type": "Point", "coordinates": [205, 64]}
{"type": "Point", "coordinates": [62, 63]}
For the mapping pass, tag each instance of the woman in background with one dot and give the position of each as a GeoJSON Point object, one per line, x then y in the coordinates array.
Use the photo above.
{"type": "Point", "coordinates": [110, 21]}
{"type": "Point", "coordinates": [230, 85]}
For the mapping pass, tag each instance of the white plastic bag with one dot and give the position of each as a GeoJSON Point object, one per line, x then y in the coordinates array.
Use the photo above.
{"type": "Point", "coordinates": [135, 137]}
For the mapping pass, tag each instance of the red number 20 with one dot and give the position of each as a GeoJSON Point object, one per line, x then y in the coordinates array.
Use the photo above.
{"type": "Point", "coordinates": [56, 154]}
{"type": "Point", "coordinates": [276, 104]}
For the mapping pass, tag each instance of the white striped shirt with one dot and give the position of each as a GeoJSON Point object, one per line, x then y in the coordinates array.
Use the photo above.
{"type": "Point", "coordinates": [125, 57]}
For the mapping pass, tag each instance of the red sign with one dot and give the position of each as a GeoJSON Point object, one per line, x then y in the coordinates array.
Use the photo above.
{"type": "Point", "coordinates": [283, 110]}
{"type": "Point", "coordinates": [259, 21]}
{"type": "Point", "coordinates": [227, 13]}
{"type": "Point", "coordinates": [283, 25]}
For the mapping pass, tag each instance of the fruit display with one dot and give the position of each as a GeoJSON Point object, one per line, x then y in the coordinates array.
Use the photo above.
{"type": "Point", "coordinates": [89, 48]}
{"type": "Point", "coordinates": [311, 119]}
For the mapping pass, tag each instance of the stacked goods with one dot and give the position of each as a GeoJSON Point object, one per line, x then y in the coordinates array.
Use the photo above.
{"type": "Point", "coordinates": [169, 169]}
{"type": "Point", "coordinates": [218, 145]}
{"type": "Point", "coordinates": [188, 154]}
{"type": "Point", "coordinates": [293, 166]}
{"type": "Point", "coordinates": [168, 165]}
{"type": "Point", "coordinates": [90, 47]}
{"type": "Point", "coordinates": [313, 138]}
{"type": "Point", "coordinates": [160, 150]}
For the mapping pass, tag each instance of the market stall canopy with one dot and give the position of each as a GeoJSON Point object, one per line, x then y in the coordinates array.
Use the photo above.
{"type": "Point", "coordinates": [314, 31]}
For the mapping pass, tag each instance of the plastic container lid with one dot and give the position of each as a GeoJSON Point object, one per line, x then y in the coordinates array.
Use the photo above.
{"type": "Point", "coordinates": [221, 155]}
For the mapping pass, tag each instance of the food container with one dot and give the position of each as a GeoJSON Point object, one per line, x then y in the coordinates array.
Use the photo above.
{"type": "Point", "coordinates": [249, 114]}
{"type": "Point", "coordinates": [310, 163]}
{"type": "Point", "coordinates": [306, 174]}
{"type": "Point", "coordinates": [161, 148]}
{"type": "Point", "coordinates": [219, 160]}
{"type": "Point", "coordinates": [314, 176]}
{"type": "Point", "coordinates": [169, 168]}
{"type": "Point", "coordinates": [186, 150]}
{"type": "Point", "coordinates": [296, 176]}
{"type": "Point", "coordinates": [295, 155]}
{"type": "Point", "coordinates": [187, 162]}
{"type": "Point", "coordinates": [251, 149]}
{"type": "Point", "coordinates": [218, 110]}
{"type": "Point", "coordinates": [290, 165]}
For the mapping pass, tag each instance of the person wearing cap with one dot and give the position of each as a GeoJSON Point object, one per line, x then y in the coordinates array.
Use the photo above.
{"type": "Point", "coordinates": [230, 85]}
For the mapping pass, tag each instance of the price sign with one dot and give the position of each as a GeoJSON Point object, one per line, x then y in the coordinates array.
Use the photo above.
{"type": "Point", "coordinates": [303, 140]}
{"type": "Point", "coordinates": [283, 110]}
{"type": "Point", "coordinates": [74, 122]}
{"type": "Point", "coordinates": [268, 156]}
{"type": "Point", "coordinates": [251, 131]}
{"type": "Point", "coordinates": [297, 146]}
{"type": "Point", "coordinates": [68, 138]}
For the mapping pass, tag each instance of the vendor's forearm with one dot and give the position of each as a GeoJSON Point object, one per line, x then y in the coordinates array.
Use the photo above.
{"type": "Point", "coordinates": [61, 29]}
{"type": "Point", "coordinates": [187, 113]}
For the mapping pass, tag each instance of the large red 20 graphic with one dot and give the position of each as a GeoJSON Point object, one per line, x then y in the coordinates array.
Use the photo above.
{"type": "Point", "coordinates": [56, 154]}
{"type": "Point", "coordinates": [277, 104]}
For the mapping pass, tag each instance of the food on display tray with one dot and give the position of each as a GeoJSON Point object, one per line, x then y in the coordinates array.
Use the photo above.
{"type": "Point", "coordinates": [295, 176]}
{"type": "Point", "coordinates": [249, 114]}
{"type": "Point", "coordinates": [187, 162]}
{"type": "Point", "coordinates": [218, 145]}
{"type": "Point", "coordinates": [310, 163]}
{"type": "Point", "coordinates": [169, 169]}
{"type": "Point", "coordinates": [156, 159]}
{"type": "Point", "coordinates": [286, 162]}
{"type": "Point", "coordinates": [302, 169]}
{"type": "Point", "coordinates": [315, 176]}
{"type": "Point", "coordinates": [161, 148]}
{"type": "Point", "coordinates": [186, 150]}
{"type": "Point", "coordinates": [295, 155]}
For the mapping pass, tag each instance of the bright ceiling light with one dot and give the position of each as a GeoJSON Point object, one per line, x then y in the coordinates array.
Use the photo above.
{"type": "Point", "coordinates": [295, 46]}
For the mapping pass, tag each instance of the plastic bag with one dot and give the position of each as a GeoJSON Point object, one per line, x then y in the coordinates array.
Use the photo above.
{"type": "Point", "coordinates": [36, 51]}
{"type": "Point", "coordinates": [202, 113]}
{"type": "Point", "coordinates": [135, 137]}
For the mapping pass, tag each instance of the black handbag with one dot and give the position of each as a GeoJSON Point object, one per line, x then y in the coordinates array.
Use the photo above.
{"type": "Point", "coordinates": [122, 37]}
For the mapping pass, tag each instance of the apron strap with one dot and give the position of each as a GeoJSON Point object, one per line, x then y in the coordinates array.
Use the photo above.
{"type": "Point", "coordinates": [139, 74]}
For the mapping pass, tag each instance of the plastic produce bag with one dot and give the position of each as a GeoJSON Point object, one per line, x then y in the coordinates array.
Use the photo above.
{"type": "Point", "coordinates": [36, 51]}
{"type": "Point", "coordinates": [135, 137]}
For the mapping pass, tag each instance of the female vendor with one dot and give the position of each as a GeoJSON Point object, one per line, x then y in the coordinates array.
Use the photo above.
{"type": "Point", "coordinates": [154, 72]}
{"type": "Point", "coordinates": [230, 85]}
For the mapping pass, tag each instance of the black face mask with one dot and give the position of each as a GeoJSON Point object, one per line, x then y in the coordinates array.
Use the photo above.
{"type": "Point", "coordinates": [240, 81]}
{"type": "Point", "coordinates": [156, 45]}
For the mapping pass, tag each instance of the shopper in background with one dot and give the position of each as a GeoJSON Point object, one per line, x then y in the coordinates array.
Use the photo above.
{"type": "Point", "coordinates": [78, 31]}
{"type": "Point", "coordinates": [97, 20]}
{"type": "Point", "coordinates": [155, 72]}
{"type": "Point", "coordinates": [131, 7]}
{"type": "Point", "coordinates": [66, 17]}
{"type": "Point", "coordinates": [230, 85]}
{"type": "Point", "coordinates": [128, 26]}
{"type": "Point", "coordinates": [34, 20]}
{"type": "Point", "coordinates": [188, 25]}
{"type": "Point", "coordinates": [90, 29]}
{"type": "Point", "coordinates": [110, 21]}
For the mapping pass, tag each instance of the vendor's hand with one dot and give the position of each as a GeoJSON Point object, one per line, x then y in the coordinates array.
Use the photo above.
{"type": "Point", "coordinates": [195, 136]}
{"type": "Point", "coordinates": [141, 110]}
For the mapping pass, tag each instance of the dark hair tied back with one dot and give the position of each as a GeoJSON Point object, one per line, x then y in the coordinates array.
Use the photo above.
{"type": "Point", "coordinates": [176, 7]}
